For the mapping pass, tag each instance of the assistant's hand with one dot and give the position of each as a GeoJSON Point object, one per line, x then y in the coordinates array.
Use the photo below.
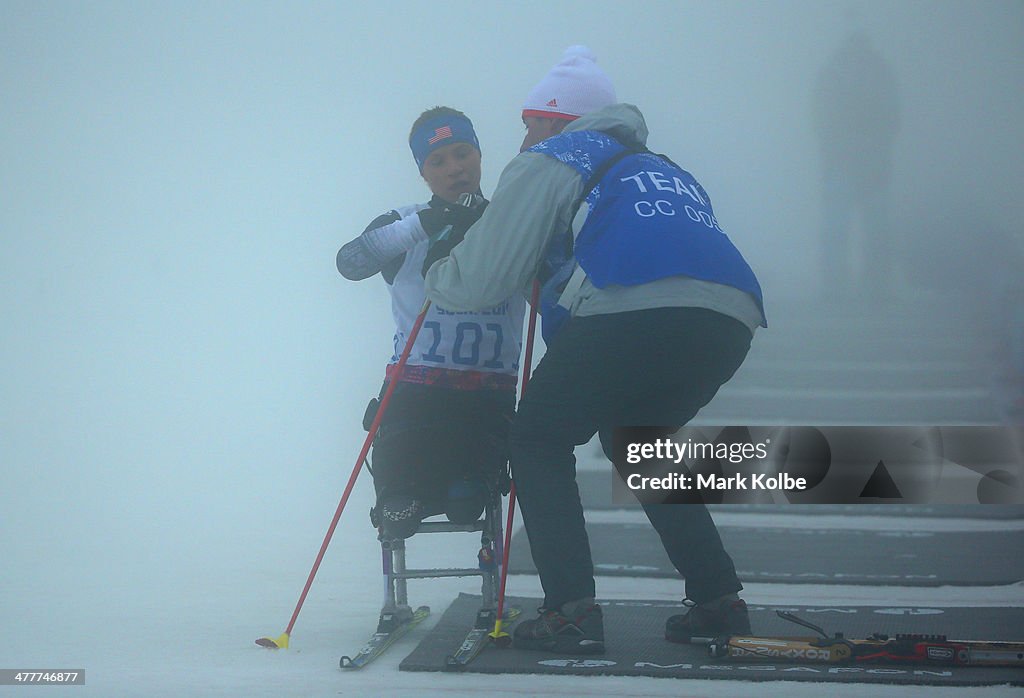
{"type": "Point", "coordinates": [446, 226]}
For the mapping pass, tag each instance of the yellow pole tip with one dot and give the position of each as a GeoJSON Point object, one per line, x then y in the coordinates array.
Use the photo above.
{"type": "Point", "coordinates": [274, 643]}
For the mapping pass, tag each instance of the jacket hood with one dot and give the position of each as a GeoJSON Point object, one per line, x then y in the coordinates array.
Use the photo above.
{"type": "Point", "coordinates": [623, 122]}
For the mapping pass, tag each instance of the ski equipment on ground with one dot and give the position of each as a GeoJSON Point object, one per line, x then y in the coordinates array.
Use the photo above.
{"type": "Point", "coordinates": [478, 638]}
{"type": "Point", "coordinates": [878, 648]}
{"type": "Point", "coordinates": [389, 629]}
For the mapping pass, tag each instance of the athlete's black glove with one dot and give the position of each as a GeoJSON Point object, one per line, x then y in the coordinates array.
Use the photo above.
{"type": "Point", "coordinates": [447, 225]}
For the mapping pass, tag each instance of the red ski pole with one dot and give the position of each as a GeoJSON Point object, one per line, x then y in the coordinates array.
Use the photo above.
{"type": "Point", "coordinates": [281, 642]}
{"type": "Point", "coordinates": [498, 635]}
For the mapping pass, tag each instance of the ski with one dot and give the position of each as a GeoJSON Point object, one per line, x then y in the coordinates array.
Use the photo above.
{"type": "Point", "coordinates": [477, 639]}
{"type": "Point", "coordinates": [876, 649]}
{"type": "Point", "coordinates": [879, 649]}
{"type": "Point", "coordinates": [389, 629]}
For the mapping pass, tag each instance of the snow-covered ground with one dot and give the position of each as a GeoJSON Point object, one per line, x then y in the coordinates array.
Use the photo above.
{"type": "Point", "coordinates": [151, 611]}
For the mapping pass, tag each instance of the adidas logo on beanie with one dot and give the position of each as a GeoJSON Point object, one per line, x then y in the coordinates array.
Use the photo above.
{"type": "Point", "coordinates": [574, 87]}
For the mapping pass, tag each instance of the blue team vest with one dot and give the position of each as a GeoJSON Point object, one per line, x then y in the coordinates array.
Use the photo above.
{"type": "Point", "coordinates": [649, 219]}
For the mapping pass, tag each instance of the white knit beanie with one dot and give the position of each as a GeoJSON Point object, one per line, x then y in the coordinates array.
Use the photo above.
{"type": "Point", "coordinates": [574, 87]}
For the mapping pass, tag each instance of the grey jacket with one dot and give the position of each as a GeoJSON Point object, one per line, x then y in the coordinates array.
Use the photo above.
{"type": "Point", "coordinates": [533, 200]}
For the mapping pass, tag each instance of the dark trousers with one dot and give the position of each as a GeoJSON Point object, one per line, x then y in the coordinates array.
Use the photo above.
{"type": "Point", "coordinates": [653, 367]}
{"type": "Point", "coordinates": [430, 436]}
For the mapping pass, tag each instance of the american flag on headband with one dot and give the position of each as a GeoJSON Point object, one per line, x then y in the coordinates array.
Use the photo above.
{"type": "Point", "coordinates": [440, 134]}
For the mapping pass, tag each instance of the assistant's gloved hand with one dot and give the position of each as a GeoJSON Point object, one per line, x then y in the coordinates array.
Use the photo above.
{"type": "Point", "coordinates": [447, 225]}
{"type": "Point", "coordinates": [432, 220]}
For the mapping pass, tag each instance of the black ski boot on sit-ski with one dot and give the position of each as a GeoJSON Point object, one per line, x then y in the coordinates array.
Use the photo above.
{"type": "Point", "coordinates": [466, 501]}
{"type": "Point", "coordinates": [400, 515]}
{"type": "Point", "coordinates": [580, 630]}
{"type": "Point", "coordinates": [726, 615]}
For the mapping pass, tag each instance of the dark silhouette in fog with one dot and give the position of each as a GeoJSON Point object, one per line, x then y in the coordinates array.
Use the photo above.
{"type": "Point", "coordinates": [856, 119]}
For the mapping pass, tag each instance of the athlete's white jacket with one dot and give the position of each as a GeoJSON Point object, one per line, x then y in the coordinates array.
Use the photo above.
{"type": "Point", "coordinates": [460, 349]}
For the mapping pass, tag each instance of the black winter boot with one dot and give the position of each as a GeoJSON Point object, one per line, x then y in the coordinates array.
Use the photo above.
{"type": "Point", "coordinates": [726, 615]}
{"type": "Point", "coordinates": [578, 631]}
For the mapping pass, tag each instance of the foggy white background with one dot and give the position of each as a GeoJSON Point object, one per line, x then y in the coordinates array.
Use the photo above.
{"type": "Point", "coordinates": [182, 369]}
